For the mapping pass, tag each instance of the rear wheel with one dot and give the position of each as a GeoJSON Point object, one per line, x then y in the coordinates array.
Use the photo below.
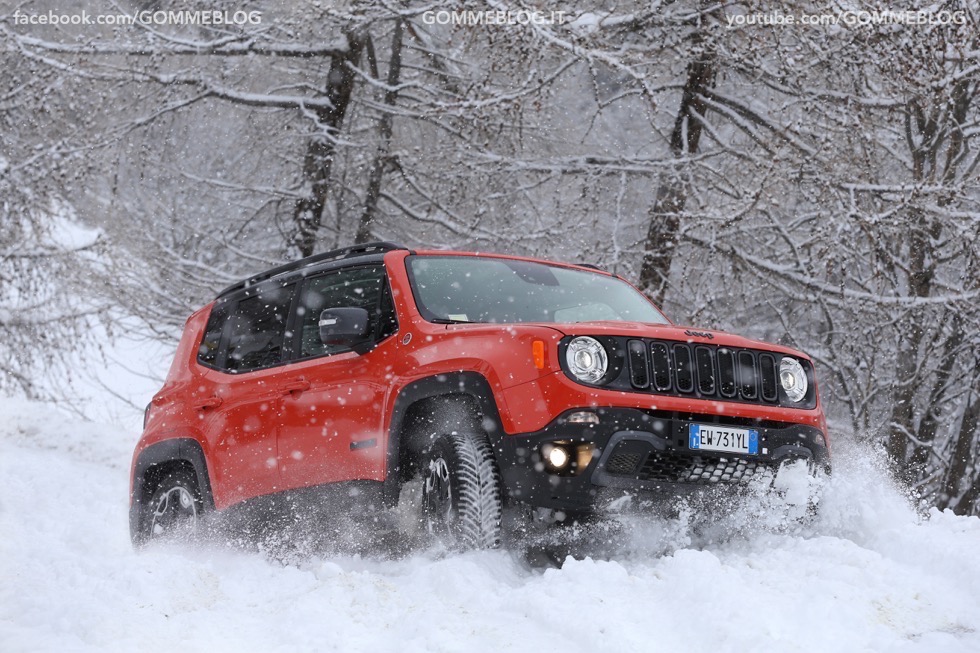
{"type": "Point", "coordinates": [461, 498]}
{"type": "Point", "coordinates": [174, 508]}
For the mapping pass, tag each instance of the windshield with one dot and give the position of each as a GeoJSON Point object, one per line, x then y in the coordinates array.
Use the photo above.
{"type": "Point", "coordinates": [470, 289]}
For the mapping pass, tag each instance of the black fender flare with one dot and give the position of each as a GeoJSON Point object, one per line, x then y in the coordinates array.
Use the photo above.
{"type": "Point", "coordinates": [173, 450]}
{"type": "Point", "coordinates": [470, 384]}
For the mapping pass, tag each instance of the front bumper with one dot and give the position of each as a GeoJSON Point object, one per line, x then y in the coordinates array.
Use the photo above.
{"type": "Point", "coordinates": [644, 452]}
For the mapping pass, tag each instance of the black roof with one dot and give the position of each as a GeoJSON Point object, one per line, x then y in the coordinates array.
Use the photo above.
{"type": "Point", "coordinates": [333, 255]}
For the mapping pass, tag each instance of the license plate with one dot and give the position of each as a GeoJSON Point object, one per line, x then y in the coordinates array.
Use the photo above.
{"type": "Point", "coordinates": [708, 437]}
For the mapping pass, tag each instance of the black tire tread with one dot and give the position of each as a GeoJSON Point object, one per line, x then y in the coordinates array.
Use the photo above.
{"type": "Point", "coordinates": [478, 482]}
{"type": "Point", "coordinates": [178, 476]}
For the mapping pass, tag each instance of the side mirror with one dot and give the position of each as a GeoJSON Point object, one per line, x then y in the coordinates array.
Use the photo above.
{"type": "Point", "coordinates": [344, 326]}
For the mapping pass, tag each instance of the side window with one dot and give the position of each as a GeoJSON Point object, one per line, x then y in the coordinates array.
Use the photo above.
{"type": "Point", "coordinates": [207, 353]}
{"type": "Point", "coordinates": [361, 287]}
{"type": "Point", "coordinates": [255, 330]}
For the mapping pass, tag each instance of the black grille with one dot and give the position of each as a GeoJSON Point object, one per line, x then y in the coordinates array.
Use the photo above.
{"type": "Point", "coordinates": [623, 464]}
{"type": "Point", "coordinates": [726, 372]}
{"type": "Point", "coordinates": [767, 370]}
{"type": "Point", "coordinates": [680, 468]}
{"type": "Point", "coordinates": [703, 370]}
{"type": "Point", "coordinates": [747, 378]}
{"type": "Point", "coordinates": [683, 374]}
{"type": "Point", "coordinates": [705, 358]}
{"type": "Point", "coordinates": [639, 367]}
{"type": "Point", "coordinates": [661, 367]}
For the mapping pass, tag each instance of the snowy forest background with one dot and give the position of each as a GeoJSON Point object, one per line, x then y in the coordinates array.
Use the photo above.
{"type": "Point", "coordinates": [814, 186]}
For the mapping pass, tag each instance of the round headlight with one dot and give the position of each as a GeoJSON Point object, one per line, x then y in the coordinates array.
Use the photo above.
{"type": "Point", "coordinates": [793, 378]}
{"type": "Point", "coordinates": [587, 360]}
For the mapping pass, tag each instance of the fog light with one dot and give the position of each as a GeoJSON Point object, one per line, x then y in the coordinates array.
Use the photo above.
{"type": "Point", "coordinates": [557, 457]}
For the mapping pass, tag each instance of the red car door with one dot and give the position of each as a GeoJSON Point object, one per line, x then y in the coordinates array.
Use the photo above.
{"type": "Point", "coordinates": [333, 404]}
{"type": "Point", "coordinates": [242, 414]}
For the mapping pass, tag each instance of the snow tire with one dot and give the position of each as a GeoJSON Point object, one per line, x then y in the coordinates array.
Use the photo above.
{"type": "Point", "coordinates": [174, 508]}
{"type": "Point", "coordinates": [461, 497]}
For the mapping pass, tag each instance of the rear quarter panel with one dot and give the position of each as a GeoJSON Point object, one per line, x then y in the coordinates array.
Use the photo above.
{"type": "Point", "coordinates": [171, 413]}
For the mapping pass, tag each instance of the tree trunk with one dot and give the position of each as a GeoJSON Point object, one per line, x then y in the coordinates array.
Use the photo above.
{"type": "Point", "coordinates": [964, 460]}
{"type": "Point", "coordinates": [921, 270]}
{"type": "Point", "coordinates": [919, 462]}
{"type": "Point", "coordinates": [317, 164]}
{"type": "Point", "coordinates": [970, 503]}
{"type": "Point", "coordinates": [384, 144]}
{"type": "Point", "coordinates": [661, 240]}
{"type": "Point", "coordinates": [961, 459]}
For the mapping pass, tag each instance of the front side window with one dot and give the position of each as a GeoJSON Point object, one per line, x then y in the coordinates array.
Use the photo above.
{"type": "Point", "coordinates": [496, 290]}
{"type": "Point", "coordinates": [357, 288]}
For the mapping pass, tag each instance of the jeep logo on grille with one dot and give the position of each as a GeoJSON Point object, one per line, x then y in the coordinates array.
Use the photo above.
{"type": "Point", "coordinates": [699, 334]}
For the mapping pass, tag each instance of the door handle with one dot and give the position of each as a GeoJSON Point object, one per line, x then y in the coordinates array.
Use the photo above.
{"type": "Point", "coordinates": [300, 385]}
{"type": "Point", "coordinates": [210, 402]}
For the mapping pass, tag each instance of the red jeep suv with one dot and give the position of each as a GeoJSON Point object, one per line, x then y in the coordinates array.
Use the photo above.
{"type": "Point", "coordinates": [492, 379]}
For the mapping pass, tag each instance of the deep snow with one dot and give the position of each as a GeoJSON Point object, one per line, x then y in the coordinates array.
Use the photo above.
{"type": "Point", "coordinates": [869, 575]}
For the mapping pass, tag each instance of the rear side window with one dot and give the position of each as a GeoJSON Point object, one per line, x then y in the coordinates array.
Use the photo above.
{"type": "Point", "coordinates": [207, 353]}
{"type": "Point", "coordinates": [247, 334]}
{"type": "Point", "coordinates": [256, 330]}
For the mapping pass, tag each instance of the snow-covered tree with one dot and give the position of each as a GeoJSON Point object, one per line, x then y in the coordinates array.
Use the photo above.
{"type": "Point", "coordinates": [815, 184]}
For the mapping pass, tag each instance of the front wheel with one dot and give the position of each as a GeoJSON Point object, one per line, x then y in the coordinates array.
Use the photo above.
{"type": "Point", "coordinates": [461, 498]}
{"type": "Point", "coordinates": [799, 485]}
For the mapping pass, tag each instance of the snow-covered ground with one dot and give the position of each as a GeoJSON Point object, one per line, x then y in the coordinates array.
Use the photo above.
{"type": "Point", "coordinates": [868, 575]}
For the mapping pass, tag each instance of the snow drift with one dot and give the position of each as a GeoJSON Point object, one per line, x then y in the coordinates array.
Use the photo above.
{"type": "Point", "coordinates": [868, 574]}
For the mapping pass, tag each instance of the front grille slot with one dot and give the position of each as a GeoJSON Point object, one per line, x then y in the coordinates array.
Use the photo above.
{"type": "Point", "coordinates": [683, 374]}
{"type": "Point", "coordinates": [706, 370]}
{"type": "Point", "coordinates": [767, 371]}
{"type": "Point", "coordinates": [747, 383]}
{"type": "Point", "coordinates": [726, 372]}
{"type": "Point", "coordinates": [661, 367]}
{"type": "Point", "coordinates": [639, 366]}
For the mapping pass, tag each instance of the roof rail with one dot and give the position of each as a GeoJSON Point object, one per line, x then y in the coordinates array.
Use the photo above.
{"type": "Point", "coordinates": [333, 255]}
{"type": "Point", "coordinates": [591, 266]}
